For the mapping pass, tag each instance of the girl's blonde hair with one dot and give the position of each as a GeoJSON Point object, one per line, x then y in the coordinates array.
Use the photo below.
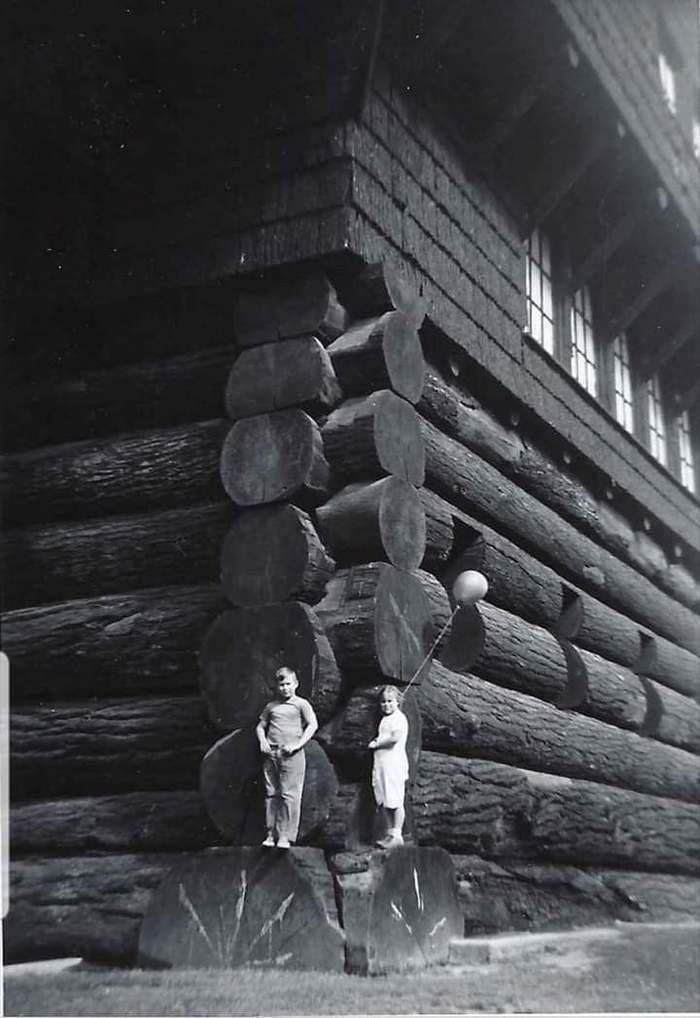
{"type": "Point", "coordinates": [391, 689]}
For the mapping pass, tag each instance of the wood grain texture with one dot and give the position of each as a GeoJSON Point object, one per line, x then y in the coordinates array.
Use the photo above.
{"type": "Point", "coordinates": [380, 353]}
{"type": "Point", "coordinates": [299, 303]}
{"type": "Point", "coordinates": [381, 287]}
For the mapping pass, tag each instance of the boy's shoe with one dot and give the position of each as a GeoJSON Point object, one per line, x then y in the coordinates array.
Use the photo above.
{"type": "Point", "coordinates": [283, 843]}
{"type": "Point", "coordinates": [269, 842]}
{"type": "Point", "coordinates": [391, 841]}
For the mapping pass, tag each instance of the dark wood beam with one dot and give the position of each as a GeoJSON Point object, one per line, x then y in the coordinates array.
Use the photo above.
{"type": "Point", "coordinates": [653, 362]}
{"type": "Point", "coordinates": [660, 281]}
{"type": "Point", "coordinates": [602, 252]}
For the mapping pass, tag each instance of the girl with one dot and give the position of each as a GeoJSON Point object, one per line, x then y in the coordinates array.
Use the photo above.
{"type": "Point", "coordinates": [390, 767]}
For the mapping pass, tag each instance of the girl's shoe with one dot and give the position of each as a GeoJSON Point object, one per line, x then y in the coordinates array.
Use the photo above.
{"type": "Point", "coordinates": [269, 842]}
{"type": "Point", "coordinates": [283, 843]}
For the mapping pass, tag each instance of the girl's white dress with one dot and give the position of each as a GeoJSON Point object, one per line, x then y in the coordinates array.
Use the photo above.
{"type": "Point", "coordinates": [390, 767]}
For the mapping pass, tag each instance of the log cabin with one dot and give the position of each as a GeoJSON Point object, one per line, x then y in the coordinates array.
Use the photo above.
{"type": "Point", "coordinates": [310, 307]}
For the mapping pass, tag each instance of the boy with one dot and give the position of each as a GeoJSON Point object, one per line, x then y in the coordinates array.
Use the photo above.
{"type": "Point", "coordinates": [390, 767]}
{"type": "Point", "coordinates": [285, 726]}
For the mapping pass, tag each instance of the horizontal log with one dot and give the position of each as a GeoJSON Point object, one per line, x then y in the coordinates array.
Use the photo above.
{"type": "Point", "coordinates": [59, 561]}
{"type": "Point", "coordinates": [90, 747]}
{"type": "Point", "coordinates": [149, 470]}
{"type": "Point", "coordinates": [146, 395]}
{"type": "Point", "coordinates": [500, 811]}
{"type": "Point", "coordinates": [275, 457]}
{"type": "Point", "coordinates": [139, 642]}
{"type": "Point", "coordinates": [439, 531]}
{"type": "Point", "coordinates": [377, 620]}
{"type": "Point", "coordinates": [462, 416]}
{"type": "Point", "coordinates": [173, 821]}
{"type": "Point", "coordinates": [297, 303]}
{"type": "Point", "coordinates": [463, 714]}
{"type": "Point", "coordinates": [273, 554]}
{"type": "Point", "coordinates": [455, 472]}
{"type": "Point", "coordinates": [508, 895]}
{"type": "Point", "coordinates": [86, 906]}
{"type": "Point", "coordinates": [244, 647]}
{"type": "Point", "coordinates": [278, 375]}
{"type": "Point", "coordinates": [379, 434]}
{"type": "Point", "coordinates": [381, 287]}
{"type": "Point", "coordinates": [380, 353]}
{"type": "Point", "coordinates": [381, 521]}
{"type": "Point", "coordinates": [231, 782]}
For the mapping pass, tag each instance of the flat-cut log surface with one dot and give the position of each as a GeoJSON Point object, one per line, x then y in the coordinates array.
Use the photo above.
{"type": "Point", "coordinates": [139, 642]}
{"type": "Point", "coordinates": [465, 715]}
{"type": "Point", "coordinates": [508, 895]}
{"type": "Point", "coordinates": [400, 911]}
{"type": "Point", "coordinates": [374, 435]}
{"type": "Point", "coordinates": [377, 620]}
{"type": "Point", "coordinates": [273, 554]}
{"type": "Point", "coordinates": [134, 822]}
{"type": "Point", "coordinates": [245, 906]}
{"type": "Point", "coordinates": [274, 457]}
{"type": "Point", "coordinates": [92, 747]}
{"type": "Point", "coordinates": [86, 906]}
{"type": "Point", "coordinates": [500, 811]}
{"type": "Point", "coordinates": [380, 353]}
{"type": "Point", "coordinates": [278, 375]}
{"type": "Point", "coordinates": [380, 287]}
{"type": "Point", "coordinates": [301, 304]}
{"type": "Point", "coordinates": [464, 477]}
{"type": "Point", "coordinates": [674, 666]}
{"type": "Point", "coordinates": [148, 470]}
{"type": "Point", "coordinates": [384, 520]}
{"type": "Point", "coordinates": [233, 791]}
{"type": "Point", "coordinates": [243, 649]}
{"type": "Point", "coordinates": [149, 394]}
{"type": "Point", "coordinates": [59, 561]}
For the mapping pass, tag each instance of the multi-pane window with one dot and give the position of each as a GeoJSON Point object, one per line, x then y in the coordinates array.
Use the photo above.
{"type": "Point", "coordinates": [583, 352]}
{"type": "Point", "coordinates": [624, 401]}
{"type": "Point", "coordinates": [540, 300]}
{"type": "Point", "coordinates": [685, 452]}
{"type": "Point", "coordinates": [657, 427]}
{"type": "Point", "coordinates": [668, 82]}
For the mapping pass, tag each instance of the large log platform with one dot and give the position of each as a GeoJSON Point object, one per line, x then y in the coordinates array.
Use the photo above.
{"type": "Point", "coordinates": [273, 554]}
{"type": "Point", "coordinates": [296, 303]}
{"type": "Point", "coordinates": [380, 353]}
{"type": "Point", "coordinates": [60, 561]}
{"type": "Point", "coordinates": [243, 649]}
{"type": "Point", "coordinates": [278, 375]}
{"type": "Point", "coordinates": [138, 642]}
{"type": "Point", "coordinates": [127, 473]}
{"type": "Point", "coordinates": [368, 437]}
{"type": "Point", "coordinates": [275, 457]}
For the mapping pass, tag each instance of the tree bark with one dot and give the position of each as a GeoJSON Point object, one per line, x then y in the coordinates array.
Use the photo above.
{"type": "Point", "coordinates": [243, 649]}
{"type": "Point", "coordinates": [150, 394]}
{"type": "Point", "coordinates": [60, 561]}
{"type": "Point", "coordinates": [273, 554]}
{"type": "Point", "coordinates": [132, 822]}
{"type": "Point", "coordinates": [380, 353]}
{"type": "Point", "coordinates": [378, 621]}
{"type": "Point", "coordinates": [109, 646]}
{"type": "Point", "coordinates": [439, 531]}
{"type": "Point", "coordinates": [144, 471]}
{"type": "Point", "coordinates": [465, 715]}
{"type": "Point", "coordinates": [278, 375]}
{"type": "Point", "coordinates": [275, 457]}
{"type": "Point", "coordinates": [454, 471]}
{"type": "Point", "coordinates": [107, 746]}
{"type": "Point", "coordinates": [378, 288]}
{"type": "Point", "coordinates": [379, 434]}
{"type": "Point", "coordinates": [300, 304]}
{"type": "Point", "coordinates": [232, 787]}
{"type": "Point", "coordinates": [381, 521]}
{"type": "Point", "coordinates": [675, 667]}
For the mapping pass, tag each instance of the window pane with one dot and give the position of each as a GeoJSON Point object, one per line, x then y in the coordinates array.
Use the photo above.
{"type": "Point", "coordinates": [657, 430]}
{"type": "Point", "coordinates": [624, 409]}
{"type": "Point", "coordinates": [583, 348]}
{"type": "Point", "coordinates": [540, 300]}
{"type": "Point", "coordinates": [685, 449]}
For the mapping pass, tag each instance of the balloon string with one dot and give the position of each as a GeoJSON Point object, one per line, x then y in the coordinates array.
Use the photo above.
{"type": "Point", "coordinates": [430, 652]}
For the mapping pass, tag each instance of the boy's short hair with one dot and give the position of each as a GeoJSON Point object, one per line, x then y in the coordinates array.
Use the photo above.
{"type": "Point", "coordinates": [391, 689]}
{"type": "Point", "coordinates": [285, 673]}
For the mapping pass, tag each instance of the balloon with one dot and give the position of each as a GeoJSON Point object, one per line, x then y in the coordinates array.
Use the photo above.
{"type": "Point", "coordinates": [469, 587]}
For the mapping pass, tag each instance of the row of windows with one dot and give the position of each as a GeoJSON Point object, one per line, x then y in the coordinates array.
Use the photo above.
{"type": "Point", "coordinates": [573, 341]}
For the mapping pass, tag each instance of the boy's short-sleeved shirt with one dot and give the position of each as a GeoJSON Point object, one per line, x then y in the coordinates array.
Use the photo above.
{"type": "Point", "coordinates": [285, 720]}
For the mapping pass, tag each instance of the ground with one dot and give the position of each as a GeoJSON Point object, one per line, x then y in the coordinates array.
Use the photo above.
{"type": "Point", "coordinates": [645, 968]}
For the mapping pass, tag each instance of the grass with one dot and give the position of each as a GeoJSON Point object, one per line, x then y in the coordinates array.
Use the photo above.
{"type": "Point", "coordinates": [646, 971]}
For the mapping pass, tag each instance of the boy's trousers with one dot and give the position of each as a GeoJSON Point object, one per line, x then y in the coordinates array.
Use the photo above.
{"type": "Point", "coordinates": [284, 784]}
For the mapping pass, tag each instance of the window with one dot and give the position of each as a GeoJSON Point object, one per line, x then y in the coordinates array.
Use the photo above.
{"type": "Point", "coordinates": [668, 82]}
{"type": "Point", "coordinates": [696, 137]}
{"type": "Point", "coordinates": [622, 380]}
{"type": "Point", "coordinates": [657, 428]}
{"type": "Point", "coordinates": [685, 452]}
{"type": "Point", "coordinates": [540, 299]}
{"type": "Point", "coordinates": [583, 353]}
